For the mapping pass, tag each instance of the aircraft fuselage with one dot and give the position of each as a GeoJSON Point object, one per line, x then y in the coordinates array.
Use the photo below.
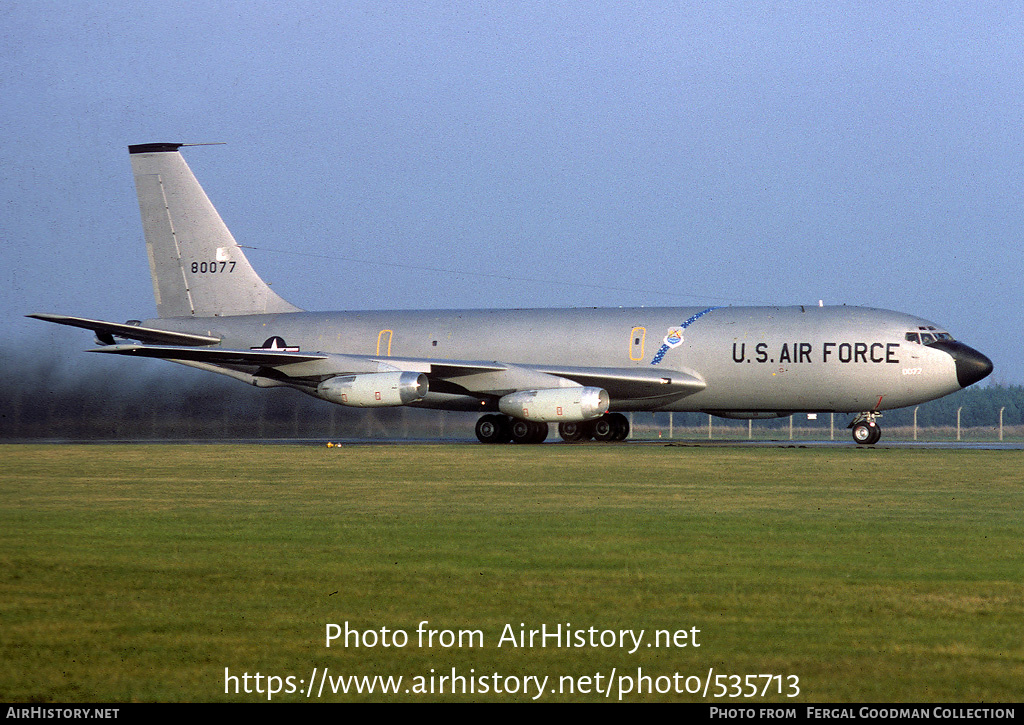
{"type": "Point", "coordinates": [751, 359]}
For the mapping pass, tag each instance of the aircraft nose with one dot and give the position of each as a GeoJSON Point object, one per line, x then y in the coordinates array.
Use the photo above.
{"type": "Point", "coordinates": [971, 365]}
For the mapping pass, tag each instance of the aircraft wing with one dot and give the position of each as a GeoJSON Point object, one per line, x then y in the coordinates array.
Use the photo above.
{"type": "Point", "coordinates": [106, 331]}
{"type": "Point", "coordinates": [465, 377]}
{"type": "Point", "coordinates": [500, 378]}
{"type": "Point", "coordinates": [631, 383]}
{"type": "Point", "coordinates": [213, 355]}
{"type": "Point", "coordinates": [330, 363]}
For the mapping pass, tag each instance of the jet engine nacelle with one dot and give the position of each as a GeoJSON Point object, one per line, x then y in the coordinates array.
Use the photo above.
{"type": "Point", "coordinates": [374, 390]}
{"type": "Point", "coordinates": [556, 405]}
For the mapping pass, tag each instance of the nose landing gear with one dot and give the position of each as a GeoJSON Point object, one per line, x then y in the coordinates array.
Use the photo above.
{"type": "Point", "coordinates": [865, 428]}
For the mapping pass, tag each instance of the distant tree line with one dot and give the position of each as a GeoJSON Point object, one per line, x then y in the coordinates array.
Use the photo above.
{"type": "Point", "coordinates": [116, 399]}
{"type": "Point", "coordinates": [43, 398]}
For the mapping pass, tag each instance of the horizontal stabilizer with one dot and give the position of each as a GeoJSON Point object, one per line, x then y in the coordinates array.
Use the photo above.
{"type": "Point", "coordinates": [106, 331]}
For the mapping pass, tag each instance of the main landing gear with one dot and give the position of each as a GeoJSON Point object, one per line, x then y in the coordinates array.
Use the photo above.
{"type": "Point", "coordinates": [502, 429]}
{"type": "Point", "coordinates": [609, 427]}
{"type": "Point", "coordinates": [865, 428]}
{"type": "Point", "coordinates": [493, 428]}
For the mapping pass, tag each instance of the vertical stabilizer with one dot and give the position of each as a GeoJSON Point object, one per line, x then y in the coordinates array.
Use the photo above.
{"type": "Point", "coordinates": [197, 266]}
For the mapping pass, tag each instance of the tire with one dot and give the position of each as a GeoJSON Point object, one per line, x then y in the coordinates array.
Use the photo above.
{"type": "Point", "coordinates": [493, 429]}
{"type": "Point", "coordinates": [866, 433]}
{"type": "Point", "coordinates": [603, 429]}
{"type": "Point", "coordinates": [621, 424]}
{"type": "Point", "coordinates": [526, 431]}
{"type": "Point", "coordinates": [573, 432]}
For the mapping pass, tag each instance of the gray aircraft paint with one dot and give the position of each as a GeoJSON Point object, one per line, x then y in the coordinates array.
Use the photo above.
{"type": "Point", "coordinates": [730, 361]}
{"type": "Point", "coordinates": [790, 377]}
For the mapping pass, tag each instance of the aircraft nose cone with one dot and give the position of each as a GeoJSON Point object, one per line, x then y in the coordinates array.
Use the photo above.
{"type": "Point", "coordinates": [971, 365]}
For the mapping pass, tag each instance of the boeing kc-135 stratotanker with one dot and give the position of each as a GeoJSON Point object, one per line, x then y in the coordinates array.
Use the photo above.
{"type": "Point", "coordinates": [523, 369]}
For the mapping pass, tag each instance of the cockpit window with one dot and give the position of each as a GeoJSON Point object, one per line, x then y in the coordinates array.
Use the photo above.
{"type": "Point", "coordinates": [927, 335]}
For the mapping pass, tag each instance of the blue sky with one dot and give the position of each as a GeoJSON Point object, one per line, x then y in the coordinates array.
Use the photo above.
{"type": "Point", "coordinates": [544, 154]}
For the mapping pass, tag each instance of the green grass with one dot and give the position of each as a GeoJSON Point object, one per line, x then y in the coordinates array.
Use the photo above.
{"type": "Point", "coordinates": [138, 573]}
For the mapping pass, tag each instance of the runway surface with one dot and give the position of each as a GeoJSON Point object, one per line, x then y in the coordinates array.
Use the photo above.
{"type": "Point", "coordinates": [554, 441]}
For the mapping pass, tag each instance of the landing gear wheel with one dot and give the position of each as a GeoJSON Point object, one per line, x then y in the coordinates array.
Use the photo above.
{"type": "Point", "coordinates": [527, 431]}
{"type": "Point", "coordinates": [610, 427]}
{"type": "Point", "coordinates": [604, 429]}
{"type": "Point", "coordinates": [867, 433]}
{"type": "Point", "coordinates": [573, 432]}
{"type": "Point", "coordinates": [621, 425]}
{"type": "Point", "coordinates": [493, 429]}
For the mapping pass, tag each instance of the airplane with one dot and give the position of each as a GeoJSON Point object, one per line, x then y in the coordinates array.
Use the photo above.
{"type": "Point", "coordinates": [522, 369]}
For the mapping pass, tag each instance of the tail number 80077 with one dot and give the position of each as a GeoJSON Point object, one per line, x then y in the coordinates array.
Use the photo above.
{"type": "Point", "coordinates": [212, 267]}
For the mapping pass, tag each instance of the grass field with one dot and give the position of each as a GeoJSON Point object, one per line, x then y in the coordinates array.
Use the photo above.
{"type": "Point", "coordinates": [139, 573]}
